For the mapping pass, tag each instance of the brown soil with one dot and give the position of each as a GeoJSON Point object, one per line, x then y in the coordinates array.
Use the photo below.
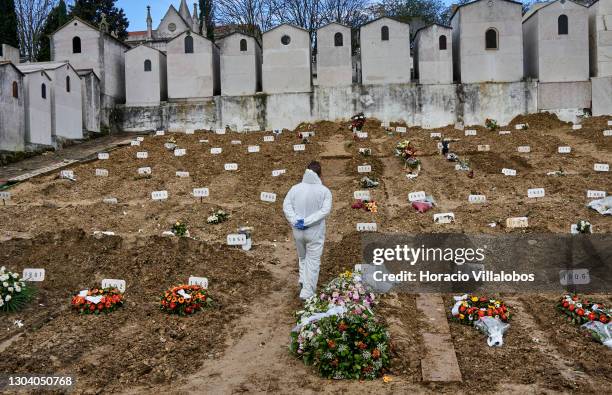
{"type": "Point", "coordinates": [240, 345]}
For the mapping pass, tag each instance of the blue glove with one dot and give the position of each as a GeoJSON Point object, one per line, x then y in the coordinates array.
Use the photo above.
{"type": "Point", "coordinates": [299, 225]}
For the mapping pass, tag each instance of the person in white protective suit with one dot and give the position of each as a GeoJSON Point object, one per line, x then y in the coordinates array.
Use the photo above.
{"type": "Point", "coordinates": [306, 206]}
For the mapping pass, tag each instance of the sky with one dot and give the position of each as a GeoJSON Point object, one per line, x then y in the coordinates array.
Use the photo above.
{"type": "Point", "coordinates": [136, 11]}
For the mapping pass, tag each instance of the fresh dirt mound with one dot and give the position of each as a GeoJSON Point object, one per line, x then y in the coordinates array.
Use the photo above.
{"type": "Point", "coordinates": [543, 120]}
{"type": "Point", "coordinates": [135, 344]}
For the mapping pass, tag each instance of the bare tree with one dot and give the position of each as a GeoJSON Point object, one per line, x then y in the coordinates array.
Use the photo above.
{"type": "Point", "coordinates": [255, 16]}
{"type": "Point", "coordinates": [302, 13]}
{"type": "Point", "coordinates": [31, 17]}
{"type": "Point", "coordinates": [347, 12]}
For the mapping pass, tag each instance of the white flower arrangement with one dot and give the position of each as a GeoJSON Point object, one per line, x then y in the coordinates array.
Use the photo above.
{"type": "Point", "coordinates": [14, 292]}
{"type": "Point", "coordinates": [217, 217]}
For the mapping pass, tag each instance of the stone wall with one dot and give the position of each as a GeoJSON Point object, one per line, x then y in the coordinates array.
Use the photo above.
{"type": "Point", "coordinates": [429, 106]}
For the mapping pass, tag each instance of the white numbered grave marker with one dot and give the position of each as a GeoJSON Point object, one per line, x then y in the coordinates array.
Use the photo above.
{"type": "Point", "coordinates": [236, 142]}
{"type": "Point", "coordinates": [140, 139]}
{"type": "Point", "coordinates": [182, 174]}
{"type": "Point", "coordinates": [535, 193]}
{"type": "Point", "coordinates": [180, 152]}
{"type": "Point", "coordinates": [509, 172]}
{"type": "Point", "coordinates": [601, 167]}
{"type": "Point", "coordinates": [144, 171]}
{"type": "Point", "coordinates": [189, 131]}
{"type": "Point", "coordinates": [596, 194]}
{"type": "Point", "coordinates": [367, 227]}
{"type": "Point", "coordinates": [564, 150]}
{"type": "Point", "coordinates": [268, 139]}
{"type": "Point", "coordinates": [160, 133]}
{"type": "Point", "coordinates": [135, 143]}
{"type": "Point", "coordinates": [364, 169]}
{"type": "Point", "coordinates": [470, 132]}
{"type": "Point", "coordinates": [201, 281]}
{"type": "Point", "coordinates": [216, 150]}
{"type": "Point", "coordinates": [484, 148]}
{"type": "Point", "coordinates": [517, 222]}
{"type": "Point", "coordinates": [362, 135]}
{"type": "Point", "coordinates": [231, 166]}
{"type": "Point", "coordinates": [220, 131]}
{"type": "Point", "coordinates": [504, 132]}
{"type": "Point", "coordinates": [69, 174]}
{"type": "Point", "coordinates": [364, 150]}
{"type": "Point", "coordinates": [434, 135]}
{"type": "Point", "coordinates": [276, 173]}
{"type": "Point", "coordinates": [400, 129]}
{"type": "Point", "coordinates": [477, 199]}
{"type": "Point", "coordinates": [385, 124]}
{"type": "Point", "coordinates": [200, 192]}
{"type": "Point", "coordinates": [362, 195]}
{"type": "Point", "coordinates": [31, 274]}
{"type": "Point", "coordinates": [444, 218]}
{"type": "Point", "coordinates": [101, 173]}
{"type": "Point", "coordinates": [142, 155]}
{"type": "Point", "coordinates": [607, 133]}
{"type": "Point", "coordinates": [519, 126]}
{"type": "Point", "coordinates": [109, 201]}
{"type": "Point", "coordinates": [576, 127]}
{"type": "Point", "coordinates": [203, 141]}
{"type": "Point", "coordinates": [103, 156]}
{"type": "Point", "coordinates": [416, 196]}
{"type": "Point", "coordinates": [236, 239]}
{"type": "Point", "coordinates": [299, 147]}
{"type": "Point", "coordinates": [5, 196]}
{"type": "Point", "coordinates": [524, 149]}
{"type": "Point", "coordinates": [268, 197]}
{"type": "Point", "coordinates": [114, 283]}
{"type": "Point", "coordinates": [159, 195]}
{"type": "Point", "coordinates": [253, 148]}
{"type": "Point", "coordinates": [609, 123]}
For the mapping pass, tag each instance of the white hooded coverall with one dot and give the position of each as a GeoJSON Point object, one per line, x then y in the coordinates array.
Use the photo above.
{"type": "Point", "coordinates": [311, 201]}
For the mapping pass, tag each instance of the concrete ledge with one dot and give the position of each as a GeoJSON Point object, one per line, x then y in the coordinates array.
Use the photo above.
{"type": "Point", "coordinates": [601, 96]}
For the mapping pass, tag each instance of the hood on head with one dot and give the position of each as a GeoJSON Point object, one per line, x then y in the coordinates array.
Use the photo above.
{"type": "Point", "coordinates": [310, 177]}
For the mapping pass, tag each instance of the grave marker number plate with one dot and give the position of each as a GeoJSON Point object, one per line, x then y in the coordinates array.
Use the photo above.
{"type": "Point", "coordinates": [299, 147]}
{"type": "Point", "coordinates": [400, 129]}
{"type": "Point", "coordinates": [596, 194]}
{"type": "Point", "coordinates": [5, 196]}
{"type": "Point", "coordinates": [367, 227]}
{"type": "Point", "coordinates": [159, 195]}
{"type": "Point", "coordinates": [182, 174]}
{"type": "Point", "coordinates": [416, 196]}
{"type": "Point", "coordinates": [216, 150]}
{"type": "Point", "coordinates": [135, 143]}
{"type": "Point", "coordinates": [268, 197]}
{"type": "Point", "coordinates": [607, 133]}
{"type": "Point", "coordinates": [236, 239]}
{"type": "Point", "coordinates": [444, 218]}
{"type": "Point", "coordinates": [564, 150]}
{"type": "Point", "coordinates": [601, 167]}
{"type": "Point", "coordinates": [484, 148]}
{"type": "Point", "coordinates": [434, 135]}
{"type": "Point", "coordinates": [36, 275]}
{"type": "Point", "coordinates": [142, 155]}
{"type": "Point", "coordinates": [101, 173]}
{"type": "Point", "coordinates": [200, 192]}
{"type": "Point", "coordinates": [253, 148]}
{"type": "Point", "coordinates": [517, 222]}
{"type": "Point", "coordinates": [535, 193]}
{"type": "Point", "coordinates": [114, 283]}
{"type": "Point", "coordinates": [477, 199]}
{"type": "Point", "coordinates": [364, 169]}
{"type": "Point", "coordinates": [180, 152]}
{"type": "Point", "coordinates": [160, 133]}
{"type": "Point", "coordinates": [470, 132]}
{"type": "Point", "coordinates": [201, 281]}
{"type": "Point", "coordinates": [276, 173]}
{"type": "Point", "coordinates": [220, 131]}
{"type": "Point", "coordinates": [509, 172]}
{"type": "Point", "coordinates": [524, 149]}
{"type": "Point", "coordinates": [268, 139]}
{"type": "Point", "coordinates": [231, 166]}
{"type": "Point", "coordinates": [143, 171]}
{"type": "Point", "coordinates": [66, 174]}
{"type": "Point", "coordinates": [362, 195]}
{"type": "Point", "coordinates": [103, 156]}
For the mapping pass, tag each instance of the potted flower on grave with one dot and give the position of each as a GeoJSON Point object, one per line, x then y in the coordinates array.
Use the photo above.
{"type": "Point", "coordinates": [185, 300]}
{"type": "Point", "coordinates": [217, 217]}
{"type": "Point", "coordinates": [97, 300]}
{"type": "Point", "coordinates": [357, 122]}
{"type": "Point", "coordinates": [15, 293]}
{"type": "Point", "coordinates": [180, 229]}
{"type": "Point", "coordinates": [491, 124]}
